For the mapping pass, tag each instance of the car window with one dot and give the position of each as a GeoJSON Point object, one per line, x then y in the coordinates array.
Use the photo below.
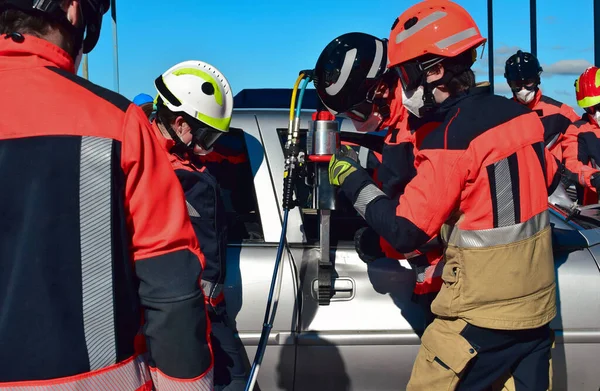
{"type": "Point", "coordinates": [345, 221]}
{"type": "Point", "coordinates": [230, 165]}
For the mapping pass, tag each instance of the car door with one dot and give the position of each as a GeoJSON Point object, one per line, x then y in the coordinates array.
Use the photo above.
{"type": "Point", "coordinates": [254, 228]}
{"type": "Point", "coordinates": [577, 324]}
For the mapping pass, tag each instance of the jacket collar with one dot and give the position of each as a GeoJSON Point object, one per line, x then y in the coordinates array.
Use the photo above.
{"type": "Point", "coordinates": [167, 144]}
{"type": "Point", "coordinates": [536, 99]}
{"type": "Point", "coordinates": [33, 52]}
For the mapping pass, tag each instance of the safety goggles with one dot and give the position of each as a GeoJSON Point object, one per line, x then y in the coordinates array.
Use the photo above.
{"type": "Point", "coordinates": [206, 137]}
{"type": "Point", "coordinates": [413, 74]}
{"type": "Point", "coordinates": [518, 85]}
{"type": "Point", "coordinates": [362, 111]}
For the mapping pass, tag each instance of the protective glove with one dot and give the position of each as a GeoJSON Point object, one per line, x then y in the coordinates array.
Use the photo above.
{"type": "Point", "coordinates": [342, 164]}
{"type": "Point", "coordinates": [567, 178]}
{"type": "Point", "coordinates": [367, 245]}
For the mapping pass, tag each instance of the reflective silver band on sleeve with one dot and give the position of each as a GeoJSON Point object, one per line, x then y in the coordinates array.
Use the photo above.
{"type": "Point", "coordinates": [366, 195]}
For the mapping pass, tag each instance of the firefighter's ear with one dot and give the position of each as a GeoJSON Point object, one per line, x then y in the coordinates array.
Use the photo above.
{"type": "Point", "coordinates": [179, 122]}
{"type": "Point", "coordinates": [74, 12]}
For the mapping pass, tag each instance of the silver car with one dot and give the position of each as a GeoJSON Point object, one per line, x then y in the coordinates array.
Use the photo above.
{"type": "Point", "coordinates": [364, 339]}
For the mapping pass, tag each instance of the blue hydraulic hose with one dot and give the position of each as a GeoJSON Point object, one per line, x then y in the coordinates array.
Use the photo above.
{"type": "Point", "coordinates": [302, 89]}
{"type": "Point", "coordinates": [267, 326]}
{"type": "Point", "coordinates": [264, 336]}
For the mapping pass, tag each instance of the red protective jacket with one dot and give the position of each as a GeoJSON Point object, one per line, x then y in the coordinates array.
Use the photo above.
{"type": "Point", "coordinates": [484, 183]}
{"type": "Point", "coordinates": [581, 154]}
{"type": "Point", "coordinates": [556, 118]}
{"type": "Point", "coordinates": [95, 239]}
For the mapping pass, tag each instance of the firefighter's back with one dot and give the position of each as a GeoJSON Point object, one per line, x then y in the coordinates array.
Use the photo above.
{"type": "Point", "coordinates": [67, 280]}
{"type": "Point", "coordinates": [500, 231]}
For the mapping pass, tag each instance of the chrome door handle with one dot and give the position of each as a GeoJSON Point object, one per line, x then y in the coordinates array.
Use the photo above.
{"type": "Point", "coordinates": [343, 289]}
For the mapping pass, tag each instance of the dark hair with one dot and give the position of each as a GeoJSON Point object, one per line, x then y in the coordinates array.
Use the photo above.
{"type": "Point", "coordinates": [33, 23]}
{"type": "Point", "coordinates": [165, 116]}
{"type": "Point", "coordinates": [147, 108]}
{"type": "Point", "coordinates": [463, 77]}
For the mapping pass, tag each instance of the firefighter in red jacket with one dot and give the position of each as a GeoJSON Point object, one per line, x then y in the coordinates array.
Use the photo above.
{"type": "Point", "coordinates": [484, 183]}
{"type": "Point", "coordinates": [371, 98]}
{"type": "Point", "coordinates": [581, 146]}
{"type": "Point", "coordinates": [98, 253]}
{"type": "Point", "coordinates": [522, 72]}
{"type": "Point", "coordinates": [193, 111]}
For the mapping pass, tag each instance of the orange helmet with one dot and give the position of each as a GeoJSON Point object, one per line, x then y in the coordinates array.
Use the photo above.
{"type": "Point", "coordinates": [587, 88]}
{"type": "Point", "coordinates": [440, 28]}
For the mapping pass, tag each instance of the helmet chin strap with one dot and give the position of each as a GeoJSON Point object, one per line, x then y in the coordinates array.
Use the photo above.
{"type": "Point", "coordinates": [428, 97]}
{"type": "Point", "coordinates": [179, 147]}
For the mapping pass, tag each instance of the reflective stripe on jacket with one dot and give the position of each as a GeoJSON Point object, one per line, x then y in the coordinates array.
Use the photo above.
{"type": "Point", "coordinates": [479, 174]}
{"type": "Point", "coordinates": [95, 237]}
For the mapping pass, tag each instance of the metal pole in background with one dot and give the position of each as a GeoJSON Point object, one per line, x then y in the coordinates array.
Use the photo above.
{"type": "Point", "coordinates": [596, 32]}
{"type": "Point", "coordinates": [490, 41]}
{"type": "Point", "coordinates": [113, 12]}
{"type": "Point", "coordinates": [533, 26]}
{"type": "Point", "coordinates": [86, 74]}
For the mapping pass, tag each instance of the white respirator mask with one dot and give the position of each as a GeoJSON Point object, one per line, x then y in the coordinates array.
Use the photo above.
{"type": "Point", "coordinates": [413, 101]}
{"type": "Point", "coordinates": [525, 96]}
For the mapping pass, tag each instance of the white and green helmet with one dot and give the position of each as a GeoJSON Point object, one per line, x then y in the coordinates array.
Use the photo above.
{"type": "Point", "coordinates": [199, 90]}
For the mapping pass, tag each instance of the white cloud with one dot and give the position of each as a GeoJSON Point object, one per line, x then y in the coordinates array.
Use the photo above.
{"type": "Point", "coordinates": [505, 49]}
{"type": "Point", "coordinates": [566, 67]}
{"type": "Point", "coordinates": [502, 88]}
{"type": "Point", "coordinates": [564, 93]}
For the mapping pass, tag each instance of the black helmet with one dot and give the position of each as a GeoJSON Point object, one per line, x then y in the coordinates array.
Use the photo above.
{"type": "Point", "coordinates": [522, 67]}
{"type": "Point", "coordinates": [92, 10]}
{"type": "Point", "coordinates": [347, 72]}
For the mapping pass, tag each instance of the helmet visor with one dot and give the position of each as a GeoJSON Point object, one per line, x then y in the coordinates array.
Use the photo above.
{"type": "Point", "coordinates": [361, 111]}
{"type": "Point", "coordinates": [411, 75]}
{"type": "Point", "coordinates": [592, 109]}
{"type": "Point", "coordinates": [205, 137]}
{"type": "Point", "coordinates": [518, 85]}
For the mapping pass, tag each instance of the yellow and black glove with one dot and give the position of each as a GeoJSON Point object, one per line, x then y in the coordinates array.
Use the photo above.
{"type": "Point", "coordinates": [342, 164]}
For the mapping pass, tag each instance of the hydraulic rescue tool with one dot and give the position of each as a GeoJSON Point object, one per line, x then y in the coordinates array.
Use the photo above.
{"type": "Point", "coordinates": [323, 141]}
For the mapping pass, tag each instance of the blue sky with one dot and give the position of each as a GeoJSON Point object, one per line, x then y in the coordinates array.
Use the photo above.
{"type": "Point", "coordinates": [265, 44]}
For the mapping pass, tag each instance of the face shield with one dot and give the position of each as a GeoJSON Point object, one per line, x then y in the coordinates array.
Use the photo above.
{"type": "Point", "coordinates": [205, 137]}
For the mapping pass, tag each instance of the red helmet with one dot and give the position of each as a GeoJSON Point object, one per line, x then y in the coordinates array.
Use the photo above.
{"type": "Point", "coordinates": [439, 28]}
{"type": "Point", "coordinates": [587, 88]}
